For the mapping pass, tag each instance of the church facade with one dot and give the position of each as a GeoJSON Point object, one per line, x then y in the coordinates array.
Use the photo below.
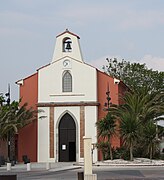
{"type": "Point", "coordinates": [71, 95]}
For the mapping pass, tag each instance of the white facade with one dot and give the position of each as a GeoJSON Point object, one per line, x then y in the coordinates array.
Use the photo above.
{"type": "Point", "coordinates": [43, 136]}
{"type": "Point", "coordinates": [84, 82]}
{"type": "Point", "coordinates": [50, 93]}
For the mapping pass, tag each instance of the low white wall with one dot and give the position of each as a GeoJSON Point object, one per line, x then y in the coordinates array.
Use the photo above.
{"type": "Point", "coordinates": [90, 126]}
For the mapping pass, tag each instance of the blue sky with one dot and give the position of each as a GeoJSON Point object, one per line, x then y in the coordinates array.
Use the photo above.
{"type": "Point", "coordinates": [129, 29]}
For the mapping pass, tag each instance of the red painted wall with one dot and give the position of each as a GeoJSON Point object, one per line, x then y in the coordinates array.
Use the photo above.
{"type": "Point", "coordinates": [102, 83]}
{"type": "Point", "coordinates": [27, 137]}
{"type": "Point", "coordinates": [3, 148]}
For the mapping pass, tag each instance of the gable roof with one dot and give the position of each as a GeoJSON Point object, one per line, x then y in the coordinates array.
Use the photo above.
{"type": "Point", "coordinates": [67, 31]}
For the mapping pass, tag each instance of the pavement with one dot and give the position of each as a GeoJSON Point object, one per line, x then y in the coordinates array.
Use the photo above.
{"type": "Point", "coordinates": [60, 166]}
{"type": "Point", "coordinates": [63, 166]}
{"type": "Point", "coordinates": [135, 162]}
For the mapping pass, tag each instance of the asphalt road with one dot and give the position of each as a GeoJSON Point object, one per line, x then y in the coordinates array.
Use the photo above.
{"type": "Point", "coordinates": [130, 173]}
{"type": "Point", "coordinates": [103, 173]}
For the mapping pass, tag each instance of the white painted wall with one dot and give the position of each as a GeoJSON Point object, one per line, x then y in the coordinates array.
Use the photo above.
{"type": "Point", "coordinates": [84, 82]}
{"type": "Point", "coordinates": [43, 130]}
{"type": "Point", "coordinates": [76, 50]}
{"type": "Point", "coordinates": [43, 135]}
{"type": "Point", "coordinates": [84, 88]}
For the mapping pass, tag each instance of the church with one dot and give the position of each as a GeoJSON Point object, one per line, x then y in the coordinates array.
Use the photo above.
{"type": "Point", "coordinates": [71, 95]}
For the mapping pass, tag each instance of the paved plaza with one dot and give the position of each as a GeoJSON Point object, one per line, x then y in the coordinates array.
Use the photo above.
{"type": "Point", "coordinates": [117, 169]}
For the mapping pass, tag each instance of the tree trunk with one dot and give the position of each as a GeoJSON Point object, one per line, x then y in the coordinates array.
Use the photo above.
{"type": "Point", "coordinates": [151, 153]}
{"type": "Point", "coordinates": [111, 154]}
{"type": "Point", "coordinates": [103, 153]}
{"type": "Point", "coordinates": [12, 146]}
{"type": "Point", "coordinates": [131, 152]}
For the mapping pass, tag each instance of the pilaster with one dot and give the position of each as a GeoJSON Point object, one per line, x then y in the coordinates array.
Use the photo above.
{"type": "Point", "coordinates": [82, 130]}
{"type": "Point", "coordinates": [51, 132]}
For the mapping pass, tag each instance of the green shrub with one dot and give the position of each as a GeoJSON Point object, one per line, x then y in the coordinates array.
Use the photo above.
{"type": "Point", "coordinates": [105, 149]}
{"type": "Point", "coordinates": [121, 153]}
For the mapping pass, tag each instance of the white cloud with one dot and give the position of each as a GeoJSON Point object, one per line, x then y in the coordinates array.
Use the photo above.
{"type": "Point", "coordinates": [16, 32]}
{"type": "Point", "coordinates": [99, 63]}
{"type": "Point", "coordinates": [88, 13]}
{"type": "Point", "coordinates": [115, 15]}
{"type": "Point", "coordinates": [155, 63]}
{"type": "Point", "coordinates": [145, 19]}
{"type": "Point", "coordinates": [121, 16]}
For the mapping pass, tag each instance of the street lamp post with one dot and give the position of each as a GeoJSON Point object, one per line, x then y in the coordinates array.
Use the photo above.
{"type": "Point", "coordinates": [108, 98]}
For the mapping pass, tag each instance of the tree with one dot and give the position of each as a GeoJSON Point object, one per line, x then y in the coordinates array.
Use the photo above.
{"type": "Point", "coordinates": [129, 127]}
{"type": "Point", "coordinates": [104, 146]}
{"type": "Point", "coordinates": [13, 117]}
{"type": "Point", "coordinates": [2, 100]}
{"type": "Point", "coordinates": [106, 129]}
{"type": "Point", "coordinates": [153, 106]}
{"type": "Point", "coordinates": [135, 113]}
{"type": "Point", "coordinates": [144, 102]}
{"type": "Point", "coordinates": [129, 116]}
{"type": "Point", "coordinates": [149, 138]}
{"type": "Point", "coordinates": [135, 75]}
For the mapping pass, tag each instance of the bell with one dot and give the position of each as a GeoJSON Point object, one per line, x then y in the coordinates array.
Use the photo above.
{"type": "Point", "coordinates": [68, 45]}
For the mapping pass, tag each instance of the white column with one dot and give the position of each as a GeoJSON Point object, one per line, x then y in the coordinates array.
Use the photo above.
{"type": "Point", "coordinates": [87, 155]}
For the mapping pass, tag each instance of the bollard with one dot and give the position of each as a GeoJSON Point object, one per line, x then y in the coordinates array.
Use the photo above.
{"type": "Point", "coordinates": [12, 163]}
{"type": "Point", "coordinates": [47, 165]}
{"type": "Point", "coordinates": [28, 166]}
{"type": "Point", "coordinates": [8, 166]}
{"type": "Point", "coordinates": [80, 175]}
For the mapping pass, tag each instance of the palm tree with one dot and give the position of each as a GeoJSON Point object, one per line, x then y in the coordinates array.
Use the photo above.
{"type": "Point", "coordinates": [152, 106]}
{"type": "Point", "coordinates": [129, 129]}
{"type": "Point", "coordinates": [138, 109]}
{"type": "Point", "coordinates": [12, 118]}
{"type": "Point", "coordinates": [150, 141]}
{"type": "Point", "coordinates": [129, 116]}
{"type": "Point", "coordinates": [106, 129]}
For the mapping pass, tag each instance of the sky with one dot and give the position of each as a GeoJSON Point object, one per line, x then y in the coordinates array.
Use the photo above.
{"type": "Point", "coordinates": [127, 29]}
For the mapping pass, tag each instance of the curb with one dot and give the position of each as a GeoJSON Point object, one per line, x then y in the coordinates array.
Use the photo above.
{"type": "Point", "coordinates": [64, 168]}
{"type": "Point", "coordinates": [35, 169]}
{"type": "Point", "coordinates": [128, 165]}
{"type": "Point", "coordinates": [115, 165]}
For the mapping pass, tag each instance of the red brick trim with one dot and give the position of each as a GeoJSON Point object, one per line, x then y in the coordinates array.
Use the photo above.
{"type": "Point", "coordinates": [51, 132]}
{"type": "Point", "coordinates": [82, 130]}
{"type": "Point", "coordinates": [51, 104]}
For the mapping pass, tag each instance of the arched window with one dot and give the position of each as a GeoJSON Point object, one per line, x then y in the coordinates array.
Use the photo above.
{"type": "Point", "coordinates": [67, 82]}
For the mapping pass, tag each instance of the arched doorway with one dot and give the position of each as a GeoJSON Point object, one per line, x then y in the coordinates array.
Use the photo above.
{"type": "Point", "coordinates": [67, 139]}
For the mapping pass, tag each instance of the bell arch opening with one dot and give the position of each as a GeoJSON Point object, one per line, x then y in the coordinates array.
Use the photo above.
{"type": "Point", "coordinates": [67, 47]}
